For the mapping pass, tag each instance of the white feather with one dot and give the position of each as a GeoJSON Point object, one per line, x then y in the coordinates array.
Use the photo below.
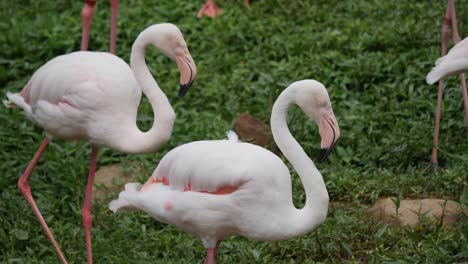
{"type": "Point", "coordinates": [232, 136]}
{"type": "Point", "coordinates": [455, 62]}
{"type": "Point", "coordinates": [126, 200]}
{"type": "Point", "coordinates": [445, 69]}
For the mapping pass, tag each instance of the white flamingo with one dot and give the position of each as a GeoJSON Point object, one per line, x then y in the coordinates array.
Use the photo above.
{"type": "Point", "coordinates": [95, 96]}
{"type": "Point", "coordinates": [214, 189]}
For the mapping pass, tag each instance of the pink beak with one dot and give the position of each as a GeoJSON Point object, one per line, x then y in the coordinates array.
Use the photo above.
{"type": "Point", "coordinates": [329, 132]}
{"type": "Point", "coordinates": [188, 71]}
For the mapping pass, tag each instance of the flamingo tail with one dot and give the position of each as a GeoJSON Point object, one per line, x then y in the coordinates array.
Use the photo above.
{"type": "Point", "coordinates": [127, 198]}
{"type": "Point", "coordinates": [443, 70]}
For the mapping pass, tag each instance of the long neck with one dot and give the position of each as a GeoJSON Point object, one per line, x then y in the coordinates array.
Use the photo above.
{"type": "Point", "coordinates": [164, 116]}
{"type": "Point", "coordinates": [300, 221]}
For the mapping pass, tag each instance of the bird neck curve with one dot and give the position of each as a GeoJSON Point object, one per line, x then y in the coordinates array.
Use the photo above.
{"type": "Point", "coordinates": [301, 221]}
{"type": "Point", "coordinates": [135, 140]}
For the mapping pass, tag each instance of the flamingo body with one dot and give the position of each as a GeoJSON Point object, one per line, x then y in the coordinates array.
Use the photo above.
{"type": "Point", "coordinates": [456, 61]}
{"type": "Point", "coordinates": [95, 95]}
{"type": "Point", "coordinates": [185, 180]}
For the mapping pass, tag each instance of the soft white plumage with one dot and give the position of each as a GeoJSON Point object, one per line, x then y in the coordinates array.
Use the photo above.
{"type": "Point", "coordinates": [214, 189]}
{"type": "Point", "coordinates": [456, 61]}
{"type": "Point", "coordinates": [95, 96]}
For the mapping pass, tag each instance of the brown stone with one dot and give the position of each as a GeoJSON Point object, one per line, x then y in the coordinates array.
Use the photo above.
{"type": "Point", "coordinates": [411, 212]}
{"type": "Point", "coordinates": [110, 180]}
{"type": "Point", "coordinates": [250, 129]}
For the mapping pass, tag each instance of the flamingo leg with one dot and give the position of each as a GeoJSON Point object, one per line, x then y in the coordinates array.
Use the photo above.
{"type": "Point", "coordinates": [113, 32]}
{"type": "Point", "coordinates": [449, 23]}
{"type": "Point", "coordinates": [246, 3]}
{"type": "Point", "coordinates": [456, 38]}
{"type": "Point", "coordinates": [445, 31]}
{"type": "Point", "coordinates": [86, 19]}
{"type": "Point", "coordinates": [210, 256]}
{"type": "Point", "coordinates": [86, 210]}
{"type": "Point", "coordinates": [211, 253]}
{"type": "Point", "coordinates": [25, 189]}
{"type": "Point", "coordinates": [210, 9]}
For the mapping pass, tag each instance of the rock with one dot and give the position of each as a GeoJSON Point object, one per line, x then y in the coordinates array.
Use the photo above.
{"type": "Point", "coordinates": [411, 212]}
{"type": "Point", "coordinates": [250, 129]}
{"type": "Point", "coordinates": [110, 180]}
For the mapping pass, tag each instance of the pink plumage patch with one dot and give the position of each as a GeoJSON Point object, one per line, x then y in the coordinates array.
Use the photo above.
{"type": "Point", "coordinates": [64, 101]}
{"type": "Point", "coordinates": [168, 206]}
{"type": "Point", "coordinates": [25, 92]}
{"type": "Point", "coordinates": [188, 187]}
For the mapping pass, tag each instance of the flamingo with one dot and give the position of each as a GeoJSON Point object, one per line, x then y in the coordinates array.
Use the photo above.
{"type": "Point", "coordinates": [210, 9]}
{"type": "Point", "coordinates": [86, 19]}
{"type": "Point", "coordinates": [449, 21]}
{"type": "Point", "coordinates": [95, 96]}
{"type": "Point", "coordinates": [215, 189]}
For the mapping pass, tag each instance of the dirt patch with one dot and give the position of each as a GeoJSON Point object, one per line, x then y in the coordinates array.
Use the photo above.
{"type": "Point", "coordinates": [413, 212]}
{"type": "Point", "coordinates": [110, 180]}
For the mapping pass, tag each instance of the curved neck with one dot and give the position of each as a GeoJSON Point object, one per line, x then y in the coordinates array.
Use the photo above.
{"type": "Point", "coordinates": [300, 221]}
{"type": "Point", "coordinates": [164, 116]}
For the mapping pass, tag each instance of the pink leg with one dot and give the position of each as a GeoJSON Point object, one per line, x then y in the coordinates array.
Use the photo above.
{"type": "Point", "coordinates": [445, 32]}
{"type": "Point", "coordinates": [246, 2]}
{"type": "Point", "coordinates": [211, 253]}
{"type": "Point", "coordinates": [26, 191]}
{"type": "Point", "coordinates": [86, 18]}
{"type": "Point", "coordinates": [86, 211]}
{"type": "Point", "coordinates": [456, 39]}
{"type": "Point", "coordinates": [113, 33]}
{"type": "Point", "coordinates": [210, 256]}
{"type": "Point", "coordinates": [209, 9]}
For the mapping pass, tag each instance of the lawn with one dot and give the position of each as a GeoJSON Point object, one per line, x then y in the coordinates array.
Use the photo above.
{"type": "Point", "coordinates": [371, 55]}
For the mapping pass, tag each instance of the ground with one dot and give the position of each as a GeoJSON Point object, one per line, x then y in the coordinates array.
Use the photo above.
{"type": "Point", "coordinates": [371, 55]}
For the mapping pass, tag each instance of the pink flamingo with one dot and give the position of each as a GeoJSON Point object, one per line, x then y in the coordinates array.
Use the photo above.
{"type": "Point", "coordinates": [87, 16]}
{"type": "Point", "coordinates": [219, 188]}
{"type": "Point", "coordinates": [95, 96]}
{"type": "Point", "coordinates": [210, 9]}
{"type": "Point", "coordinates": [449, 22]}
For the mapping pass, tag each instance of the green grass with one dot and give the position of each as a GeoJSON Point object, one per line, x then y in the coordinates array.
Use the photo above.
{"type": "Point", "coordinates": [373, 57]}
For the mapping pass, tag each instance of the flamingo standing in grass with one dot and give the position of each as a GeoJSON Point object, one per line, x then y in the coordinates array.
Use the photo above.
{"type": "Point", "coordinates": [449, 21]}
{"type": "Point", "coordinates": [210, 9]}
{"type": "Point", "coordinates": [95, 96]}
{"type": "Point", "coordinates": [215, 189]}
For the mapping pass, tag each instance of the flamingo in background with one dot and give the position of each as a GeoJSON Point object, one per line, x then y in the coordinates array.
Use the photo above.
{"type": "Point", "coordinates": [87, 17]}
{"type": "Point", "coordinates": [219, 188]}
{"type": "Point", "coordinates": [95, 96]}
{"type": "Point", "coordinates": [210, 9]}
{"type": "Point", "coordinates": [449, 21]}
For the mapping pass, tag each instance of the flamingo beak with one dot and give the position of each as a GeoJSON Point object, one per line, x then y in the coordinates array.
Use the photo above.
{"type": "Point", "coordinates": [188, 71]}
{"type": "Point", "coordinates": [329, 132]}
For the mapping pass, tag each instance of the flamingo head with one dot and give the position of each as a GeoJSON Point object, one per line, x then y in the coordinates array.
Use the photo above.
{"type": "Point", "coordinates": [315, 102]}
{"type": "Point", "coordinates": [171, 42]}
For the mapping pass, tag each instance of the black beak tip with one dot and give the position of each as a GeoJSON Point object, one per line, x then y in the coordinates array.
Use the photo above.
{"type": "Point", "coordinates": [184, 89]}
{"type": "Point", "coordinates": [323, 154]}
